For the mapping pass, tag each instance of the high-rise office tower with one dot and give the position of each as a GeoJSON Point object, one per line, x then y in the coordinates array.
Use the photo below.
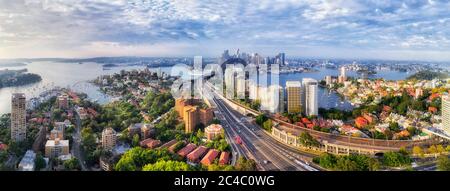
{"type": "Point", "coordinates": [294, 98]}
{"type": "Point", "coordinates": [446, 113]}
{"type": "Point", "coordinates": [310, 103]}
{"type": "Point", "coordinates": [18, 117]}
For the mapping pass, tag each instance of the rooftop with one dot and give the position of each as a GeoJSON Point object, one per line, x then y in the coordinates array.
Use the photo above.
{"type": "Point", "coordinates": [293, 84]}
{"type": "Point", "coordinates": [57, 142]}
{"type": "Point", "coordinates": [210, 157]}
{"type": "Point", "coordinates": [213, 128]}
{"type": "Point", "coordinates": [27, 162]}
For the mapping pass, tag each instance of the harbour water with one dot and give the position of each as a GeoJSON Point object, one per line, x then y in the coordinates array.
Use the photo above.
{"type": "Point", "coordinates": [76, 76]}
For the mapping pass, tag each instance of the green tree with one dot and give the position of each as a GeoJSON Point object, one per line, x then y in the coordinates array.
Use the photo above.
{"type": "Point", "coordinates": [137, 157]}
{"type": "Point", "coordinates": [267, 125]}
{"type": "Point", "coordinates": [135, 141]}
{"type": "Point", "coordinates": [432, 149]}
{"type": "Point", "coordinates": [168, 166]}
{"type": "Point", "coordinates": [443, 163]}
{"type": "Point", "coordinates": [418, 151]}
{"type": "Point", "coordinates": [440, 149]}
{"type": "Point", "coordinates": [260, 119]}
{"type": "Point", "coordinates": [396, 159]}
{"type": "Point", "coordinates": [307, 140]}
{"type": "Point", "coordinates": [72, 164]}
{"type": "Point", "coordinates": [243, 164]}
{"type": "Point", "coordinates": [394, 127]}
{"type": "Point", "coordinates": [39, 162]}
{"type": "Point", "coordinates": [326, 160]}
{"type": "Point", "coordinates": [126, 163]}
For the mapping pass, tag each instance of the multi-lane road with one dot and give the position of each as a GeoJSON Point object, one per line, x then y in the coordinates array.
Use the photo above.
{"type": "Point", "coordinates": [269, 154]}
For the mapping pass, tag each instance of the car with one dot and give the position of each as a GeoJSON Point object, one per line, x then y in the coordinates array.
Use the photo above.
{"type": "Point", "coordinates": [266, 162]}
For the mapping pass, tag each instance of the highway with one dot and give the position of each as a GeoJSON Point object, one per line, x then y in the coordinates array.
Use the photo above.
{"type": "Point", "coordinates": [267, 152]}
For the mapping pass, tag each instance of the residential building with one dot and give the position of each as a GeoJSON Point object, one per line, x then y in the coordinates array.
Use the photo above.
{"type": "Point", "coordinates": [418, 93]}
{"type": "Point", "coordinates": [150, 143]}
{"type": "Point", "coordinates": [18, 117]}
{"type": "Point", "coordinates": [107, 163]}
{"type": "Point", "coordinates": [193, 113]}
{"type": "Point", "coordinates": [56, 134]}
{"type": "Point", "coordinates": [57, 131]}
{"type": "Point", "coordinates": [210, 157]}
{"type": "Point", "coordinates": [27, 162]}
{"type": "Point", "coordinates": [294, 98]}
{"type": "Point", "coordinates": [213, 131]}
{"type": "Point", "coordinates": [190, 117]}
{"type": "Point", "coordinates": [206, 115]}
{"type": "Point", "coordinates": [194, 156]}
{"type": "Point", "coordinates": [186, 150]}
{"type": "Point", "coordinates": [109, 138]}
{"type": "Point", "coordinates": [147, 130]}
{"type": "Point", "coordinates": [144, 130]}
{"type": "Point", "coordinates": [272, 99]}
{"type": "Point", "coordinates": [224, 158]}
{"type": "Point", "coordinates": [56, 148]}
{"type": "Point", "coordinates": [63, 101]}
{"type": "Point", "coordinates": [310, 101]}
{"type": "Point", "coordinates": [229, 81]}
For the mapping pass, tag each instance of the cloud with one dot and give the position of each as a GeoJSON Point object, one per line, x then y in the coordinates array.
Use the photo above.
{"type": "Point", "coordinates": [83, 27]}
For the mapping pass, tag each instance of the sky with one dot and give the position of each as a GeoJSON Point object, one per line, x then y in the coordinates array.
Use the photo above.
{"type": "Point", "coordinates": [375, 29]}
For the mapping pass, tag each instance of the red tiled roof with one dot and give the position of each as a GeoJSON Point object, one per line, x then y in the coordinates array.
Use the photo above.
{"type": "Point", "coordinates": [432, 109]}
{"type": "Point", "coordinates": [187, 149]}
{"type": "Point", "coordinates": [150, 143]}
{"type": "Point", "coordinates": [306, 120]}
{"type": "Point", "coordinates": [360, 122]}
{"type": "Point", "coordinates": [197, 153]}
{"type": "Point", "coordinates": [210, 157]}
{"type": "Point", "coordinates": [169, 144]}
{"type": "Point", "coordinates": [224, 158]}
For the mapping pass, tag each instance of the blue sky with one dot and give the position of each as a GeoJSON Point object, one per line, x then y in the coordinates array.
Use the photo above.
{"type": "Point", "coordinates": [380, 29]}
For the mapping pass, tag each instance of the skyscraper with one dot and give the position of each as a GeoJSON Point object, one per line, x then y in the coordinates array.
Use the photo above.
{"type": "Point", "coordinates": [446, 113]}
{"type": "Point", "coordinates": [18, 117]}
{"type": "Point", "coordinates": [310, 88]}
{"type": "Point", "coordinates": [272, 98]}
{"type": "Point", "coordinates": [282, 55]}
{"type": "Point", "coordinates": [294, 98]}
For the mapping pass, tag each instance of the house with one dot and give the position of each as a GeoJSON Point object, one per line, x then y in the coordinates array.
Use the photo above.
{"type": "Point", "coordinates": [224, 158]}
{"type": "Point", "coordinates": [209, 157]}
{"type": "Point", "coordinates": [150, 143]}
{"type": "Point", "coordinates": [361, 122]}
{"type": "Point", "coordinates": [306, 121]}
{"type": "Point", "coordinates": [194, 156]}
{"type": "Point", "coordinates": [169, 144]}
{"type": "Point", "coordinates": [186, 150]}
{"type": "Point", "coordinates": [432, 109]}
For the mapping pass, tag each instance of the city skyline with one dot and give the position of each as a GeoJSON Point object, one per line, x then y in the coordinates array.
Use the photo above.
{"type": "Point", "coordinates": [400, 30]}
